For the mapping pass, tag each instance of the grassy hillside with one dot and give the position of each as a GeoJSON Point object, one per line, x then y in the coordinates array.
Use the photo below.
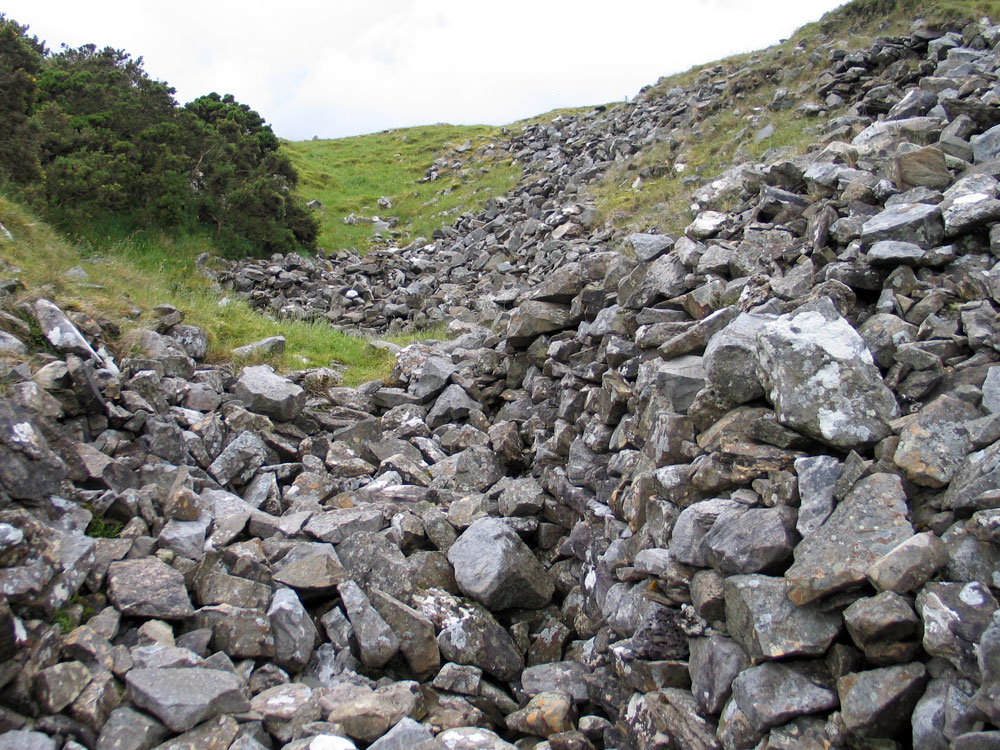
{"type": "Point", "coordinates": [127, 277]}
{"type": "Point", "coordinates": [728, 135]}
{"type": "Point", "coordinates": [349, 175]}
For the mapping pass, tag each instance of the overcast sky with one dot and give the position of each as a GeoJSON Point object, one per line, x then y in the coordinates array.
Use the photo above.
{"type": "Point", "coordinates": [335, 68]}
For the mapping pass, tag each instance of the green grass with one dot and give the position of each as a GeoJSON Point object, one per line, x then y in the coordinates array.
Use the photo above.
{"type": "Point", "coordinates": [128, 276]}
{"type": "Point", "coordinates": [349, 175]}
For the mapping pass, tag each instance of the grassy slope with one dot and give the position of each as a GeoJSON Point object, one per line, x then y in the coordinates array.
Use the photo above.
{"type": "Point", "coordinates": [128, 277]}
{"type": "Point", "coordinates": [349, 175]}
{"type": "Point", "coordinates": [727, 136]}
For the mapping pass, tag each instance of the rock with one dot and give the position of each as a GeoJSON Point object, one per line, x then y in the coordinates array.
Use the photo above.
{"type": "Point", "coordinates": [831, 389]}
{"type": "Point", "coordinates": [533, 318]}
{"type": "Point", "coordinates": [31, 470]}
{"type": "Point", "coordinates": [909, 565]}
{"type": "Point", "coordinates": [973, 485]}
{"type": "Point", "coordinates": [545, 714]}
{"type": "Point", "coordinates": [925, 166]}
{"type": "Point", "coordinates": [731, 359]}
{"type": "Point", "coordinates": [405, 735]}
{"type": "Point", "coordinates": [295, 636]}
{"type": "Point", "coordinates": [493, 566]}
{"type": "Point", "coordinates": [817, 477]}
{"type": "Point", "coordinates": [955, 615]}
{"type": "Point", "coordinates": [919, 223]}
{"type": "Point", "coordinates": [933, 446]}
{"type": "Point", "coordinates": [867, 524]}
{"type": "Point", "coordinates": [377, 642]}
{"type": "Point", "coordinates": [60, 332]}
{"type": "Point", "coordinates": [59, 685]}
{"type": "Point", "coordinates": [265, 347]}
{"type": "Point", "coordinates": [148, 587]}
{"type": "Point", "coordinates": [22, 739]}
{"type": "Point", "coordinates": [263, 391]}
{"type": "Point", "coordinates": [238, 462]}
{"type": "Point", "coordinates": [714, 664]}
{"type": "Point", "coordinates": [762, 618]}
{"type": "Point", "coordinates": [648, 247]}
{"type": "Point", "coordinates": [181, 698]}
{"type": "Point", "coordinates": [127, 729]}
{"type": "Point", "coordinates": [371, 713]}
{"type": "Point", "coordinates": [789, 693]}
{"type": "Point", "coordinates": [877, 703]}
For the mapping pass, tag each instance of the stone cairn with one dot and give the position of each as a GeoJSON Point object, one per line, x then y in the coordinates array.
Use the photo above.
{"type": "Point", "coordinates": [734, 489]}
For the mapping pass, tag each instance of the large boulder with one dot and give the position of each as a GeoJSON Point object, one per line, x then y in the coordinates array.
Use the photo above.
{"type": "Point", "coordinates": [493, 566]}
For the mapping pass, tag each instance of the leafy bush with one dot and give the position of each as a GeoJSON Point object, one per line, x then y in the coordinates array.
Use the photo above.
{"type": "Point", "coordinates": [91, 137]}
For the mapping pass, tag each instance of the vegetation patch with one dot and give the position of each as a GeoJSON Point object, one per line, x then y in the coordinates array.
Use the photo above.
{"type": "Point", "coordinates": [348, 176]}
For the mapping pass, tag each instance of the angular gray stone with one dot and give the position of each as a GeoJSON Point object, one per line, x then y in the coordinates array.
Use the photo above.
{"type": "Point", "coordinates": [469, 634]}
{"type": "Point", "coordinates": [822, 380]}
{"type": "Point", "coordinates": [264, 391]}
{"type": "Point", "coordinates": [295, 635]}
{"type": "Point", "coordinates": [181, 698]}
{"type": "Point", "coordinates": [714, 663]}
{"type": "Point", "coordinates": [128, 729]}
{"type": "Point", "coordinates": [762, 619]}
{"type": "Point", "coordinates": [377, 642]}
{"type": "Point", "coordinates": [817, 478]}
{"type": "Point", "coordinates": [493, 566]}
{"type": "Point", "coordinates": [148, 587]}
{"type": "Point", "coordinates": [955, 616]}
{"type": "Point", "coordinates": [23, 739]}
{"type": "Point", "coordinates": [933, 446]}
{"type": "Point", "coordinates": [60, 331]}
{"type": "Point", "coordinates": [406, 735]}
{"type": "Point", "coordinates": [870, 521]}
{"type": "Point", "coordinates": [909, 565]}
{"type": "Point", "coordinates": [771, 694]}
{"type": "Point", "coordinates": [974, 485]}
{"type": "Point", "coordinates": [648, 247]}
{"type": "Point", "coordinates": [453, 405]}
{"type": "Point", "coordinates": [919, 223]}
{"type": "Point", "coordinates": [894, 253]}
{"type": "Point", "coordinates": [878, 703]}
{"type": "Point", "coordinates": [758, 539]}
{"type": "Point", "coordinates": [239, 460]}
{"type": "Point", "coordinates": [533, 318]}
{"type": "Point", "coordinates": [731, 359]}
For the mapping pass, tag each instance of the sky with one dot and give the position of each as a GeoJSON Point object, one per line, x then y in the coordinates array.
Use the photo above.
{"type": "Point", "coordinates": [333, 69]}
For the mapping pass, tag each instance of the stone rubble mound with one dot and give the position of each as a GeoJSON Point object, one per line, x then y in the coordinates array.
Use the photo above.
{"type": "Point", "coordinates": [739, 490]}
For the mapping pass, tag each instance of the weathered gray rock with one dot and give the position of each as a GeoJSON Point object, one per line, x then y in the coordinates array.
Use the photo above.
{"type": "Point", "coordinates": [955, 615]}
{"type": "Point", "coordinates": [909, 565]}
{"type": "Point", "coordinates": [23, 739]}
{"type": "Point", "coordinates": [817, 478]}
{"type": "Point", "coordinates": [128, 729]}
{"type": "Point", "coordinates": [789, 693]}
{"type": "Point", "coordinates": [533, 318]}
{"type": "Point", "coordinates": [731, 359]}
{"type": "Point", "coordinates": [493, 566]}
{"type": "Point", "coordinates": [829, 388]}
{"type": "Point", "coordinates": [761, 618]}
{"type": "Point", "coordinates": [933, 446]}
{"type": "Point", "coordinates": [868, 523]}
{"type": "Point", "coordinates": [919, 223]}
{"type": "Point", "coordinates": [60, 331]}
{"type": "Point", "coordinates": [878, 703]}
{"type": "Point", "coordinates": [377, 642]}
{"type": "Point", "coordinates": [264, 347]}
{"type": "Point", "coordinates": [148, 587]}
{"type": "Point", "coordinates": [973, 485]}
{"type": "Point", "coordinates": [295, 636]}
{"type": "Point", "coordinates": [405, 735]}
{"type": "Point", "coordinates": [758, 539]}
{"type": "Point", "coordinates": [181, 698]}
{"type": "Point", "coordinates": [264, 391]}
{"type": "Point", "coordinates": [714, 663]}
{"type": "Point", "coordinates": [240, 459]}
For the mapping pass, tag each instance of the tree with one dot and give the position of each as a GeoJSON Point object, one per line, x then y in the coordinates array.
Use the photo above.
{"type": "Point", "coordinates": [244, 185]}
{"type": "Point", "coordinates": [112, 141]}
{"type": "Point", "coordinates": [20, 61]}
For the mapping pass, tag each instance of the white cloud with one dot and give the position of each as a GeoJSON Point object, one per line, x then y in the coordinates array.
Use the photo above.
{"type": "Point", "coordinates": [339, 68]}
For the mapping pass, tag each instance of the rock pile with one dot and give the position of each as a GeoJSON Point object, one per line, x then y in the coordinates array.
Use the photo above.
{"type": "Point", "coordinates": [737, 491]}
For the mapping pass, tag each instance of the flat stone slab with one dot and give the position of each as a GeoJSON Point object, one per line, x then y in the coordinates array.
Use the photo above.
{"type": "Point", "coordinates": [181, 698]}
{"type": "Point", "coordinates": [148, 587]}
{"type": "Point", "coordinates": [264, 391]}
{"type": "Point", "coordinates": [762, 619]}
{"type": "Point", "coordinates": [868, 523]}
